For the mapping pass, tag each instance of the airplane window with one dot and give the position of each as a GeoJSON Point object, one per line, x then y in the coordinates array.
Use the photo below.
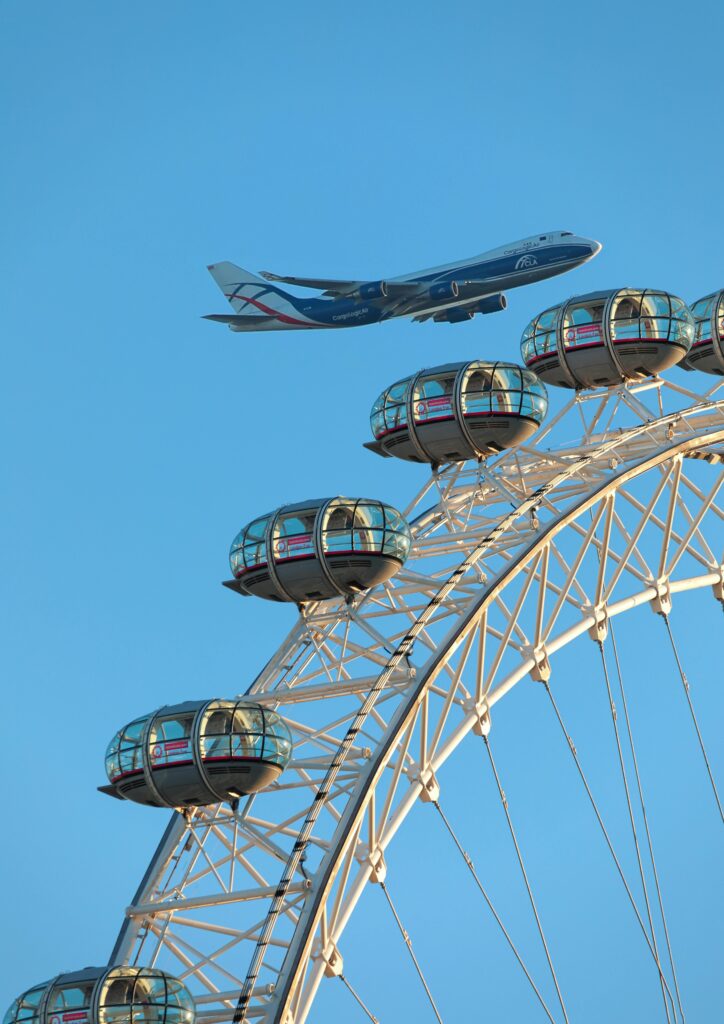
{"type": "Point", "coordinates": [542, 238]}
{"type": "Point", "coordinates": [565, 234]}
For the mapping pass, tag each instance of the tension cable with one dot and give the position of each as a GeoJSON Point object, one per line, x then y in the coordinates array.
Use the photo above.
{"type": "Point", "coordinates": [632, 820]}
{"type": "Point", "coordinates": [584, 780]}
{"type": "Point", "coordinates": [649, 841]}
{"type": "Point", "coordinates": [538, 922]}
{"type": "Point", "coordinates": [466, 857]}
{"type": "Point", "coordinates": [356, 997]}
{"type": "Point", "coordinates": [685, 683]}
{"type": "Point", "coordinates": [408, 943]}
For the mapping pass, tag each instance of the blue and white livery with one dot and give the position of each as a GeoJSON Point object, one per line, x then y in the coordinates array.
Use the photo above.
{"type": "Point", "coordinates": [448, 294]}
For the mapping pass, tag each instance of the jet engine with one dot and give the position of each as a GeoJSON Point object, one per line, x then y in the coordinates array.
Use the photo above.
{"type": "Point", "coordinates": [373, 290]}
{"type": "Point", "coordinates": [492, 304]}
{"type": "Point", "coordinates": [444, 290]}
{"type": "Point", "coordinates": [456, 315]}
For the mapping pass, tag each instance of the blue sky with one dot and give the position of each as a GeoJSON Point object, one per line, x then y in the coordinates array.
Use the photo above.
{"type": "Point", "coordinates": [143, 141]}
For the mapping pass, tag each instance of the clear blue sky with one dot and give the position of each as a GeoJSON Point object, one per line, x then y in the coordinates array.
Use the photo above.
{"type": "Point", "coordinates": [142, 141]}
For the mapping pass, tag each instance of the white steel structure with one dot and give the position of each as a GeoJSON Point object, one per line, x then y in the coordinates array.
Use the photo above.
{"type": "Point", "coordinates": [512, 560]}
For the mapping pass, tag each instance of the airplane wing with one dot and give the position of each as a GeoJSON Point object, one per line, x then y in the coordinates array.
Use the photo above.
{"type": "Point", "coordinates": [339, 289]}
{"type": "Point", "coordinates": [328, 285]}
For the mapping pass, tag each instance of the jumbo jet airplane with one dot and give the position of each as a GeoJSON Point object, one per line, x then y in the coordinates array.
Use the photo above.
{"type": "Point", "coordinates": [448, 294]}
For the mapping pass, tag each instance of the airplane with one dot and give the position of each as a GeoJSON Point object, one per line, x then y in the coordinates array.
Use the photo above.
{"type": "Point", "coordinates": [448, 294]}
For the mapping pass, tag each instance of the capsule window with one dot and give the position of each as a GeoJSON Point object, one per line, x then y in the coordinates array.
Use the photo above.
{"type": "Point", "coordinates": [76, 996]}
{"type": "Point", "coordinates": [143, 996]}
{"type": "Point", "coordinates": [397, 545]}
{"type": "Point", "coordinates": [397, 539]}
{"type": "Point", "coordinates": [653, 316]}
{"type": "Point", "coordinates": [655, 304]}
{"type": "Point", "coordinates": [25, 1008]}
{"type": "Point", "coordinates": [215, 733]}
{"type": "Point", "coordinates": [294, 535]}
{"type": "Point", "coordinates": [247, 735]}
{"type": "Point", "coordinates": [394, 521]}
{"type": "Point", "coordinates": [701, 310]}
{"type": "Point", "coordinates": [254, 543]}
{"type": "Point", "coordinates": [338, 528]}
{"type": "Point", "coordinates": [432, 398]}
{"type": "Point", "coordinates": [539, 338]}
{"type": "Point", "coordinates": [369, 525]}
{"type": "Point", "coordinates": [277, 739]}
{"type": "Point", "coordinates": [533, 405]}
{"type": "Point", "coordinates": [169, 740]}
{"type": "Point", "coordinates": [682, 332]}
{"type": "Point", "coordinates": [149, 999]}
{"type": "Point", "coordinates": [476, 392]}
{"type": "Point", "coordinates": [547, 320]}
{"type": "Point", "coordinates": [583, 323]}
{"type": "Point", "coordinates": [116, 998]}
{"type": "Point", "coordinates": [626, 306]}
{"type": "Point", "coordinates": [390, 410]}
{"type": "Point", "coordinates": [125, 753]}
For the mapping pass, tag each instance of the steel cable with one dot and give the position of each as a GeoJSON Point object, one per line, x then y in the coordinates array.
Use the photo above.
{"type": "Point", "coordinates": [644, 816]}
{"type": "Point", "coordinates": [538, 921]}
{"type": "Point", "coordinates": [471, 867]}
{"type": "Point", "coordinates": [685, 683]}
{"type": "Point", "coordinates": [356, 997]}
{"type": "Point", "coordinates": [632, 820]}
{"type": "Point", "coordinates": [606, 836]}
{"type": "Point", "coordinates": [408, 943]}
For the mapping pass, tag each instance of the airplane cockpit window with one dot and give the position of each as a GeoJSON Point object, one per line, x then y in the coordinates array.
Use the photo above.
{"type": "Point", "coordinates": [566, 234]}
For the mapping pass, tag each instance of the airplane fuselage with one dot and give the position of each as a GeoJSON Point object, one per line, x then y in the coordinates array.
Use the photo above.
{"type": "Point", "coordinates": [450, 292]}
{"type": "Point", "coordinates": [489, 274]}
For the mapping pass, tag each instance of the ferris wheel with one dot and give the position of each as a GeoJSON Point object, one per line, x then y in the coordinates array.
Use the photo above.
{"type": "Point", "coordinates": [528, 534]}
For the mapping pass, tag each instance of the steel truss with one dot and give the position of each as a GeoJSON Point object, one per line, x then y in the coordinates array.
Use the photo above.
{"type": "Point", "coordinates": [512, 560]}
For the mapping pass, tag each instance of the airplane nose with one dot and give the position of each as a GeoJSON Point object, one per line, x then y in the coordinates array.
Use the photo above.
{"type": "Point", "coordinates": [595, 247]}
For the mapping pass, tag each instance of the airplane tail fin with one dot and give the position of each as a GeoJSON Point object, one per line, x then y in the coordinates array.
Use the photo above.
{"type": "Point", "coordinates": [249, 294]}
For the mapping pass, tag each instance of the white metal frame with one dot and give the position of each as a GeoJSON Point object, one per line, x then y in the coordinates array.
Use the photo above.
{"type": "Point", "coordinates": [512, 560]}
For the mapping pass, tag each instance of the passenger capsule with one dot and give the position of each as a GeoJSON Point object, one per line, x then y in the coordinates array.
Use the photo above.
{"type": "Point", "coordinates": [607, 337]}
{"type": "Point", "coordinates": [103, 995]}
{"type": "Point", "coordinates": [318, 549]}
{"type": "Point", "coordinates": [197, 753]}
{"type": "Point", "coordinates": [707, 350]}
{"type": "Point", "coordinates": [457, 411]}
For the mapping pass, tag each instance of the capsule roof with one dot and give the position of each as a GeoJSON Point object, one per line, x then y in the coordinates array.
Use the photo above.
{"type": "Point", "coordinates": [457, 411]}
{"type": "Point", "coordinates": [103, 995]}
{"type": "Point", "coordinates": [707, 350]}
{"type": "Point", "coordinates": [605, 337]}
{"type": "Point", "coordinates": [198, 753]}
{"type": "Point", "coordinates": [318, 549]}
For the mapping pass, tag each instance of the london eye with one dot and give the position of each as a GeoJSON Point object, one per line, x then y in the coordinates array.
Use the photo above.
{"type": "Point", "coordinates": [525, 535]}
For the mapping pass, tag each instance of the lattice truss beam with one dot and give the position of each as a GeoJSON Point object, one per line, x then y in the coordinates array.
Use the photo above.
{"type": "Point", "coordinates": [511, 561]}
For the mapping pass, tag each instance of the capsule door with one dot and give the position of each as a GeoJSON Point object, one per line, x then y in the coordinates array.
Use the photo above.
{"type": "Point", "coordinates": [501, 405]}
{"type": "Point", "coordinates": [296, 562]}
{"type": "Point", "coordinates": [583, 340]}
{"type": "Point", "coordinates": [650, 331]}
{"type": "Point", "coordinates": [232, 747]}
{"type": "Point", "coordinates": [70, 1002]}
{"type": "Point", "coordinates": [435, 417]}
{"type": "Point", "coordinates": [364, 543]}
{"type": "Point", "coordinates": [171, 759]}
